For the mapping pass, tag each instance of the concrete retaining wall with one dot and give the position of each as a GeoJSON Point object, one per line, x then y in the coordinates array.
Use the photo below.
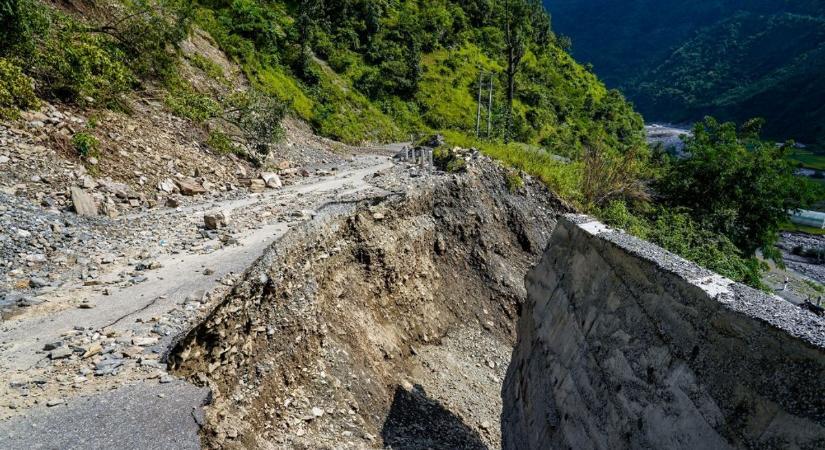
{"type": "Point", "coordinates": [624, 345]}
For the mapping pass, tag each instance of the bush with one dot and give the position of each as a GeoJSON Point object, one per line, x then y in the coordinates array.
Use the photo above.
{"type": "Point", "coordinates": [259, 117]}
{"type": "Point", "coordinates": [148, 32]}
{"type": "Point", "coordinates": [676, 231]}
{"type": "Point", "coordinates": [86, 145]}
{"type": "Point", "coordinates": [82, 68]}
{"type": "Point", "coordinates": [209, 67]}
{"type": "Point", "coordinates": [20, 22]}
{"type": "Point", "coordinates": [220, 143]}
{"type": "Point", "coordinates": [563, 178]}
{"type": "Point", "coordinates": [513, 180]}
{"type": "Point", "coordinates": [183, 100]}
{"type": "Point", "coordinates": [446, 160]}
{"type": "Point", "coordinates": [85, 62]}
{"type": "Point", "coordinates": [736, 184]}
{"type": "Point", "coordinates": [16, 90]}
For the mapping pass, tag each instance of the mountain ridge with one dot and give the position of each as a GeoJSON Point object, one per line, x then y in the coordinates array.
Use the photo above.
{"type": "Point", "coordinates": [731, 59]}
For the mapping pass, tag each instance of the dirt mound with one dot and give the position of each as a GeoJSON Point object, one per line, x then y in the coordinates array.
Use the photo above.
{"type": "Point", "coordinates": [390, 324]}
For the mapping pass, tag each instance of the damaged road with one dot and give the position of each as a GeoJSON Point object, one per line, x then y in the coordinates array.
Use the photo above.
{"type": "Point", "coordinates": [91, 352]}
{"type": "Point", "coordinates": [389, 325]}
{"type": "Point", "coordinates": [374, 306]}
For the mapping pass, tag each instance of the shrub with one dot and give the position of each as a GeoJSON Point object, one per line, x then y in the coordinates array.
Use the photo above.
{"type": "Point", "coordinates": [148, 32]}
{"type": "Point", "coordinates": [676, 231]}
{"type": "Point", "coordinates": [86, 145]}
{"type": "Point", "coordinates": [96, 61]}
{"type": "Point", "coordinates": [447, 160]}
{"type": "Point", "coordinates": [81, 67]}
{"type": "Point", "coordinates": [183, 100]}
{"type": "Point", "coordinates": [563, 178]}
{"type": "Point", "coordinates": [513, 180]}
{"type": "Point", "coordinates": [221, 143]}
{"type": "Point", "coordinates": [16, 90]}
{"type": "Point", "coordinates": [737, 184]}
{"type": "Point", "coordinates": [259, 117]}
{"type": "Point", "coordinates": [209, 67]}
{"type": "Point", "coordinates": [20, 22]}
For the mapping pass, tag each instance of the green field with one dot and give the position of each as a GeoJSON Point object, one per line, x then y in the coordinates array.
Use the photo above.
{"type": "Point", "coordinates": [788, 226]}
{"type": "Point", "coordinates": [809, 159]}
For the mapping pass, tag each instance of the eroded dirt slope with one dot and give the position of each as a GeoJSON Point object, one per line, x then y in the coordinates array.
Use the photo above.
{"type": "Point", "coordinates": [391, 324]}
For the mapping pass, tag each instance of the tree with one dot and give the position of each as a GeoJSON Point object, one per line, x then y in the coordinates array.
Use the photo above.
{"type": "Point", "coordinates": [305, 26]}
{"type": "Point", "coordinates": [525, 23]}
{"type": "Point", "coordinates": [734, 183]}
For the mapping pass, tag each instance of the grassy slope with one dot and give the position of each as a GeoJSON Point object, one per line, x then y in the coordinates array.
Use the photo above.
{"type": "Point", "coordinates": [559, 103]}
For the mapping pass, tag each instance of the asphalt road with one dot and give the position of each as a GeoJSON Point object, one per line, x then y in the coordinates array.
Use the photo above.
{"type": "Point", "coordinates": [146, 415]}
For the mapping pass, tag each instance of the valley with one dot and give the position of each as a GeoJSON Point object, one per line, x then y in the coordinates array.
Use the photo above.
{"type": "Point", "coordinates": [730, 59]}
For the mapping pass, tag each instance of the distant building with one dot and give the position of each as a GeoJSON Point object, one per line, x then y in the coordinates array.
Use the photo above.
{"type": "Point", "coordinates": [806, 218]}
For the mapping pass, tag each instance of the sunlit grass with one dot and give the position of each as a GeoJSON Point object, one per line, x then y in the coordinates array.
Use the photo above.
{"type": "Point", "coordinates": [563, 178]}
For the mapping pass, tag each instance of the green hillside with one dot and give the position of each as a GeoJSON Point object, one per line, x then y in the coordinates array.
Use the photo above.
{"type": "Point", "coordinates": [732, 59]}
{"type": "Point", "coordinates": [367, 71]}
{"type": "Point", "coordinates": [357, 70]}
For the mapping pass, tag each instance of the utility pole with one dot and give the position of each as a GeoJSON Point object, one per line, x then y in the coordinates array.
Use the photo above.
{"type": "Point", "coordinates": [478, 110]}
{"type": "Point", "coordinates": [490, 108]}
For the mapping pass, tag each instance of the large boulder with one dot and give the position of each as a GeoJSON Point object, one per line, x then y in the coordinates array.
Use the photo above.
{"type": "Point", "coordinates": [168, 186]}
{"type": "Point", "coordinates": [190, 187]}
{"type": "Point", "coordinates": [215, 220]}
{"type": "Point", "coordinates": [254, 184]}
{"type": "Point", "coordinates": [83, 203]}
{"type": "Point", "coordinates": [272, 180]}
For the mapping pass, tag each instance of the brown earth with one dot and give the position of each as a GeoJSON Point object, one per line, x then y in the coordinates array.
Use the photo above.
{"type": "Point", "coordinates": [390, 325]}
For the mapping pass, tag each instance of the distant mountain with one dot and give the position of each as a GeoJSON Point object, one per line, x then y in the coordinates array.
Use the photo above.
{"type": "Point", "coordinates": [734, 59]}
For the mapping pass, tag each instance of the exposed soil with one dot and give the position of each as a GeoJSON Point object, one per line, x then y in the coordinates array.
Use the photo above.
{"type": "Point", "coordinates": [391, 325]}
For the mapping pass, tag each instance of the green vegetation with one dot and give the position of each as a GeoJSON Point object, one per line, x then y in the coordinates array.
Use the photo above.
{"type": "Point", "coordinates": [385, 70]}
{"type": "Point", "coordinates": [91, 63]}
{"type": "Point", "coordinates": [447, 160]}
{"type": "Point", "coordinates": [183, 100]}
{"type": "Point", "coordinates": [679, 61]}
{"type": "Point", "coordinates": [808, 158]}
{"type": "Point", "coordinates": [221, 143]}
{"type": "Point", "coordinates": [209, 67]}
{"type": "Point", "coordinates": [563, 178]}
{"type": "Point", "coordinates": [16, 90]}
{"type": "Point", "coordinates": [721, 204]}
{"type": "Point", "coordinates": [736, 184]}
{"type": "Point", "coordinates": [513, 180]}
{"type": "Point", "coordinates": [818, 288]}
{"type": "Point", "coordinates": [676, 231]}
{"type": "Point", "coordinates": [788, 226]}
{"type": "Point", "coordinates": [86, 145]}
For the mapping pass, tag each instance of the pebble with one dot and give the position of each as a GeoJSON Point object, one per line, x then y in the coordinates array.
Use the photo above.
{"type": "Point", "coordinates": [53, 345]}
{"type": "Point", "coordinates": [144, 341]}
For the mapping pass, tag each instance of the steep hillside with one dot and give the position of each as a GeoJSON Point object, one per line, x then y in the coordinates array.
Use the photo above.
{"type": "Point", "coordinates": [356, 70]}
{"type": "Point", "coordinates": [733, 59]}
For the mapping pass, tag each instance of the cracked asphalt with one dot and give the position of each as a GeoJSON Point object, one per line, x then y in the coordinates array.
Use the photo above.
{"type": "Point", "coordinates": [110, 388]}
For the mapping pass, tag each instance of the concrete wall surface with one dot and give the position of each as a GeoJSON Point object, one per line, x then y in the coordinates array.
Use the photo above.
{"type": "Point", "coordinates": [624, 345]}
